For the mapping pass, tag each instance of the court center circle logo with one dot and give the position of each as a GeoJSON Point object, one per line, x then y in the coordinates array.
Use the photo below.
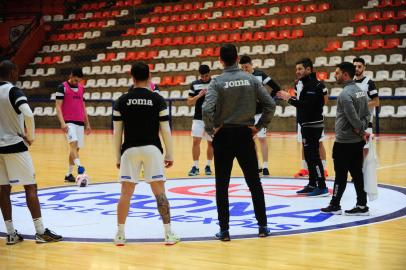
{"type": "Point", "coordinates": [89, 214]}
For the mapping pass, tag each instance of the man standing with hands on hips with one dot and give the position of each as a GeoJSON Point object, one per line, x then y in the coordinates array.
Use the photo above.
{"type": "Point", "coordinates": [228, 115]}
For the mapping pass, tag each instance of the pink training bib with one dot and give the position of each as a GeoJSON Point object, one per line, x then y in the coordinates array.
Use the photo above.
{"type": "Point", "coordinates": [72, 106]}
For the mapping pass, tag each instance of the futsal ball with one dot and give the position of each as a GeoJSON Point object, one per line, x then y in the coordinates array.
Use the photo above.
{"type": "Point", "coordinates": [82, 180]}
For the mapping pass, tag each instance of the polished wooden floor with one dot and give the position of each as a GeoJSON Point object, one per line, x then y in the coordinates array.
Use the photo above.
{"type": "Point", "coordinates": [377, 246]}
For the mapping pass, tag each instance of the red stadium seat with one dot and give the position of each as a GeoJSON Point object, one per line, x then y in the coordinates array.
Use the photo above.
{"type": "Point", "coordinates": [323, 7]}
{"type": "Point", "coordinates": [223, 38]}
{"type": "Point", "coordinates": [166, 81]}
{"type": "Point", "coordinates": [246, 36]}
{"type": "Point", "coordinates": [214, 26]}
{"type": "Point", "coordinates": [377, 44]}
{"type": "Point", "coordinates": [360, 30]}
{"type": "Point", "coordinates": [184, 17]}
{"type": "Point", "coordinates": [192, 28]}
{"type": "Point", "coordinates": [177, 8]}
{"type": "Point", "coordinates": [228, 14]}
{"type": "Point", "coordinates": [235, 37]}
{"type": "Point", "coordinates": [225, 26]}
{"type": "Point", "coordinates": [167, 9]}
{"type": "Point", "coordinates": [259, 36]}
{"type": "Point", "coordinates": [401, 15]}
{"type": "Point", "coordinates": [284, 34]}
{"type": "Point", "coordinates": [156, 42]}
{"type": "Point", "coordinates": [360, 17]}
{"type": "Point", "coordinates": [203, 27]}
{"type": "Point", "coordinates": [333, 46]}
{"type": "Point", "coordinates": [311, 8]}
{"type": "Point", "coordinates": [158, 9]}
{"type": "Point", "coordinates": [229, 3]}
{"type": "Point", "coordinates": [208, 52]}
{"type": "Point", "coordinates": [219, 4]}
{"type": "Point", "coordinates": [296, 33]}
{"type": "Point", "coordinates": [392, 43]}
{"type": "Point", "coordinates": [388, 15]}
{"type": "Point", "coordinates": [187, 6]}
{"type": "Point", "coordinates": [181, 28]}
{"type": "Point", "coordinates": [130, 32]}
{"type": "Point", "coordinates": [373, 16]}
{"type": "Point", "coordinates": [130, 56]}
{"type": "Point", "coordinates": [154, 19]}
{"type": "Point", "coordinates": [170, 29]}
{"type": "Point", "coordinates": [198, 5]}
{"type": "Point", "coordinates": [47, 60]}
{"type": "Point", "coordinates": [164, 19]}
{"type": "Point", "coordinates": [195, 17]}
{"type": "Point", "coordinates": [110, 57]}
{"type": "Point", "coordinates": [271, 35]}
{"type": "Point", "coordinates": [160, 30]}
{"type": "Point", "coordinates": [145, 20]}
{"type": "Point", "coordinates": [140, 31]}
{"type": "Point", "coordinates": [211, 38]}
{"type": "Point", "coordinates": [142, 55]}
{"type": "Point", "coordinates": [361, 45]}
{"type": "Point", "coordinates": [200, 39]}
{"type": "Point", "coordinates": [175, 18]}
{"type": "Point", "coordinates": [297, 21]}
{"type": "Point", "coordinates": [262, 11]}
{"type": "Point", "coordinates": [152, 54]}
{"type": "Point", "coordinates": [236, 24]}
{"type": "Point", "coordinates": [322, 75]}
{"type": "Point", "coordinates": [177, 41]}
{"type": "Point", "coordinates": [188, 40]}
{"type": "Point", "coordinates": [284, 21]}
{"type": "Point", "coordinates": [178, 79]}
{"type": "Point", "coordinates": [376, 29]}
{"type": "Point", "coordinates": [167, 41]}
{"type": "Point", "coordinates": [389, 29]}
{"type": "Point", "coordinates": [206, 15]}
{"type": "Point", "coordinates": [67, 26]}
{"type": "Point", "coordinates": [56, 59]}
{"type": "Point", "coordinates": [272, 23]}
{"type": "Point", "coordinates": [240, 13]}
{"type": "Point", "coordinates": [298, 9]}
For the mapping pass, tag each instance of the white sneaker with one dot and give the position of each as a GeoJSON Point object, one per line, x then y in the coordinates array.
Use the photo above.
{"type": "Point", "coordinates": [14, 238]}
{"type": "Point", "coordinates": [119, 240]}
{"type": "Point", "coordinates": [171, 239]}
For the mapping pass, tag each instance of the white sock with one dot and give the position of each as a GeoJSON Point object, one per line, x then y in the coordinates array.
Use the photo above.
{"type": "Point", "coordinates": [265, 164]}
{"type": "Point", "coordinates": [167, 228]}
{"type": "Point", "coordinates": [324, 162]}
{"type": "Point", "coordinates": [9, 226]}
{"type": "Point", "coordinates": [120, 228]}
{"type": "Point", "coordinates": [39, 226]}
{"type": "Point", "coordinates": [196, 163]}
{"type": "Point", "coordinates": [70, 170]}
{"type": "Point", "coordinates": [304, 164]}
{"type": "Point", "coordinates": [77, 162]}
{"type": "Point", "coordinates": [208, 162]}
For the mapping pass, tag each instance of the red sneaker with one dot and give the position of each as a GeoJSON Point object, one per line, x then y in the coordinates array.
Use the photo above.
{"type": "Point", "coordinates": [301, 173]}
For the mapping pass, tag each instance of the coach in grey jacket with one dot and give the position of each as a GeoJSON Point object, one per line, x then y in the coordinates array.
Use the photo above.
{"type": "Point", "coordinates": [351, 122]}
{"type": "Point", "coordinates": [228, 115]}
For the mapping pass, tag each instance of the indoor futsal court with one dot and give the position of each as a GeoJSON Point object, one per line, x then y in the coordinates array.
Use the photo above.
{"type": "Point", "coordinates": [48, 39]}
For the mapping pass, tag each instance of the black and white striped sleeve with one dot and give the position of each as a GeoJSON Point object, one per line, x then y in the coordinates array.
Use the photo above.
{"type": "Point", "coordinates": [372, 91]}
{"type": "Point", "coordinates": [60, 92]}
{"type": "Point", "coordinates": [324, 89]}
{"type": "Point", "coordinates": [267, 80]}
{"type": "Point", "coordinates": [163, 110]}
{"type": "Point", "coordinates": [17, 97]}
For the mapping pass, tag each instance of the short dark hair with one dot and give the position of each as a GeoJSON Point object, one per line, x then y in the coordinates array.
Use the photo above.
{"type": "Point", "coordinates": [228, 54]}
{"type": "Point", "coordinates": [306, 62]}
{"type": "Point", "coordinates": [77, 72]}
{"type": "Point", "coordinates": [347, 67]}
{"type": "Point", "coordinates": [140, 71]}
{"type": "Point", "coordinates": [245, 59]}
{"type": "Point", "coordinates": [6, 67]}
{"type": "Point", "coordinates": [204, 69]}
{"type": "Point", "coordinates": [359, 59]}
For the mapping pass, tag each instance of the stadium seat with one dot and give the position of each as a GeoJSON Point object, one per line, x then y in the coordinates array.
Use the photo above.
{"type": "Point", "coordinates": [379, 59]}
{"type": "Point", "coordinates": [289, 111]}
{"type": "Point", "coordinates": [387, 111]}
{"type": "Point", "coordinates": [385, 92]}
{"type": "Point", "coordinates": [395, 59]}
{"type": "Point", "coordinates": [397, 75]}
{"type": "Point", "coordinates": [401, 112]}
{"type": "Point", "coordinates": [332, 46]}
{"type": "Point", "coordinates": [332, 113]}
{"type": "Point", "coordinates": [335, 92]}
{"type": "Point", "coordinates": [346, 31]}
{"type": "Point", "coordinates": [381, 75]}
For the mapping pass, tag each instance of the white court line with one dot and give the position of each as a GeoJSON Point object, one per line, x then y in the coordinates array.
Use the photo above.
{"type": "Point", "coordinates": [391, 166]}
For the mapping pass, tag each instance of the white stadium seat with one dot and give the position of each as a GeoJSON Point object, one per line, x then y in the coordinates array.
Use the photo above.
{"type": "Point", "coordinates": [387, 111]}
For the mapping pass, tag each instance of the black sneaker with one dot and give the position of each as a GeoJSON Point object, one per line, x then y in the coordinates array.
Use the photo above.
{"type": "Point", "coordinates": [14, 238]}
{"type": "Point", "coordinates": [358, 211]}
{"type": "Point", "coordinates": [305, 190]}
{"type": "Point", "coordinates": [223, 236]}
{"type": "Point", "coordinates": [264, 231]}
{"type": "Point", "coordinates": [47, 237]}
{"type": "Point", "coordinates": [335, 210]}
{"type": "Point", "coordinates": [70, 178]}
{"type": "Point", "coordinates": [265, 172]}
